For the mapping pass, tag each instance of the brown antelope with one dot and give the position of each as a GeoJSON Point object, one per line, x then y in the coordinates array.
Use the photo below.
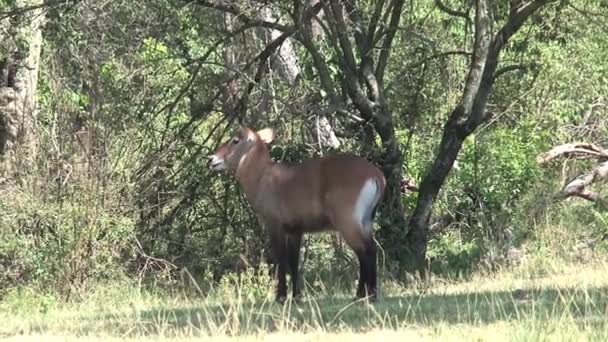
{"type": "Point", "coordinates": [329, 193]}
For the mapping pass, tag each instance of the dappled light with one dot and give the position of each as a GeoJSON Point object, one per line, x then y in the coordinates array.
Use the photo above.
{"type": "Point", "coordinates": [306, 170]}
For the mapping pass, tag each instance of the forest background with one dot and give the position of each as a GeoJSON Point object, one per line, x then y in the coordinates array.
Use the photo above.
{"type": "Point", "coordinates": [109, 108]}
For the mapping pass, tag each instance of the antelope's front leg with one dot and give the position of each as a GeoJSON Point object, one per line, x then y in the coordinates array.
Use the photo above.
{"type": "Point", "coordinates": [293, 256]}
{"type": "Point", "coordinates": [278, 243]}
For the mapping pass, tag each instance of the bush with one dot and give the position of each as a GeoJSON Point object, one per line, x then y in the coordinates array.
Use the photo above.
{"type": "Point", "coordinates": [452, 255]}
{"type": "Point", "coordinates": [60, 246]}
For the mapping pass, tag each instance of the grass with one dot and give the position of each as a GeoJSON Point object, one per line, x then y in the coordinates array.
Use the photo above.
{"type": "Point", "coordinates": [571, 304]}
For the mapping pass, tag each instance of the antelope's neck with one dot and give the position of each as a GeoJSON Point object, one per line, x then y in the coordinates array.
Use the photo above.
{"type": "Point", "coordinates": [252, 168]}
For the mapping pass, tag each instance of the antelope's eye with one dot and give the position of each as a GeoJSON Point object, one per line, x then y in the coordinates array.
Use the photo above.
{"type": "Point", "coordinates": [235, 140]}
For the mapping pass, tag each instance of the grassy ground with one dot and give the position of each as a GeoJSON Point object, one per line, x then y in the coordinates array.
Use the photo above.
{"type": "Point", "coordinates": [571, 304]}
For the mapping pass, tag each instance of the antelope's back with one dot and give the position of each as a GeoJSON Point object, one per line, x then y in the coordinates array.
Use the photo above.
{"type": "Point", "coordinates": [312, 194]}
{"type": "Point", "coordinates": [345, 176]}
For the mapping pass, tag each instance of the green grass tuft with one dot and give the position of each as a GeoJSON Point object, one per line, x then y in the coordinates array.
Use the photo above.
{"type": "Point", "coordinates": [569, 305]}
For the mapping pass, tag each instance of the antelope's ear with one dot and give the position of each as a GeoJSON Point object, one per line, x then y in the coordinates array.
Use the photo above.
{"type": "Point", "coordinates": [267, 135]}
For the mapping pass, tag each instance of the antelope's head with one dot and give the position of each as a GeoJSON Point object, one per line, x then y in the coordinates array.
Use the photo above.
{"type": "Point", "coordinates": [231, 153]}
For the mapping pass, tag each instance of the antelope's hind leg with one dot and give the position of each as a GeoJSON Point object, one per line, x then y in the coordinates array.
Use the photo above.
{"type": "Point", "coordinates": [362, 243]}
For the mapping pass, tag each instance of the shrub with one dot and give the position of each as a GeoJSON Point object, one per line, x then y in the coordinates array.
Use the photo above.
{"type": "Point", "coordinates": [60, 246]}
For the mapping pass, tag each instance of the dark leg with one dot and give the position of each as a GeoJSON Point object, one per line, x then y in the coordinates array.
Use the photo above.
{"type": "Point", "coordinates": [359, 238]}
{"type": "Point", "coordinates": [278, 242]}
{"type": "Point", "coordinates": [372, 276]}
{"type": "Point", "coordinates": [293, 256]}
{"type": "Point", "coordinates": [363, 276]}
{"type": "Point", "coordinates": [367, 269]}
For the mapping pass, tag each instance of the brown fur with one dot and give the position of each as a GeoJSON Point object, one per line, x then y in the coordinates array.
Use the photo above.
{"type": "Point", "coordinates": [316, 195]}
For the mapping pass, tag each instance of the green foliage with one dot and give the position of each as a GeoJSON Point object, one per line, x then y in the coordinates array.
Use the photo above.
{"type": "Point", "coordinates": [499, 166]}
{"type": "Point", "coordinates": [252, 285]}
{"type": "Point", "coordinates": [453, 255]}
{"type": "Point", "coordinates": [65, 247]}
{"type": "Point", "coordinates": [5, 5]}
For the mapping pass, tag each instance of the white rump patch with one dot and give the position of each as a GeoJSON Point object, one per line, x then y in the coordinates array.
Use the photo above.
{"type": "Point", "coordinates": [365, 201]}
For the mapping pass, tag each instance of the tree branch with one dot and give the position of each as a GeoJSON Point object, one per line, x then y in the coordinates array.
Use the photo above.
{"type": "Point", "coordinates": [578, 150]}
{"type": "Point", "coordinates": [444, 8]}
{"type": "Point", "coordinates": [373, 22]}
{"type": "Point", "coordinates": [418, 63]}
{"type": "Point", "coordinates": [578, 186]}
{"type": "Point", "coordinates": [483, 39]}
{"type": "Point", "coordinates": [517, 17]}
{"type": "Point", "coordinates": [360, 99]}
{"type": "Point", "coordinates": [509, 68]}
{"type": "Point", "coordinates": [233, 9]}
{"type": "Point", "coordinates": [337, 14]}
{"type": "Point", "coordinates": [388, 40]}
{"type": "Point", "coordinates": [262, 58]}
{"type": "Point", "coordinates": [319, 61]}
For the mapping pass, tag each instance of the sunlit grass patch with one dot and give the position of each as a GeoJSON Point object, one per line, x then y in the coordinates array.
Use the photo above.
{"type": "Point", "coordinates": [571, 305]}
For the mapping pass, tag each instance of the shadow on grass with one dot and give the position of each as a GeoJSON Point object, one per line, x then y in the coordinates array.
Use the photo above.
{"type": "Point", "coordinates": [586, 307]}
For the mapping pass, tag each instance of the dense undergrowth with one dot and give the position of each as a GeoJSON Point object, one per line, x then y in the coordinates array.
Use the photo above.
{"type": "Point", "coordinates": [119, 198]}
{"type": "Point", "coordinates": [66, 250]}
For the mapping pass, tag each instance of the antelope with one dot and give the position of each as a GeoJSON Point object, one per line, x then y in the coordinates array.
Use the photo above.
{"type": "Point", "coordinates": [339, 193]}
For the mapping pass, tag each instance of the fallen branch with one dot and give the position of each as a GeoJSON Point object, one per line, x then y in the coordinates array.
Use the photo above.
{"type": "Point", "coordinates": [578, 186]}
{"type": "Point", "coordinates": [576, 150]}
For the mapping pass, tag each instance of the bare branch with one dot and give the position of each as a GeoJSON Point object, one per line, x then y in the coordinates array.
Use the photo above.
{"type": "Point", "coordinates": [418, 63]}
{"type": "Point", "coordinates": [483, 38]}
{"type": "Point", "coordinates": [232, 8]}
{"type": "Point", "coordinates": [509, 68]}
{"type": "Point", "coordinates": [262, 66]}
{"type": "Point", "coordinates": [306, 37]}
{"type": "Point", "coordinates": [578, 186]}
{"type": "Point", "coordinates": [360, 99]}
{"type": "Point", "coordinates": [586, 12]}
{"type": "Point", "coordinates": [354, 13]}
{"type": "Point", "coordinates": [444, 8]}
{"type": "Point", "coordinates": [478, 90]}
{"type": "Point", "coordinates": [517, 17]}
{"type": "Point", "coordinates": [373, 22]}
{"type": "Point", "coordinates": [342, 31]}
{"type": "Point", "coordinates": [578, 150]}
{"type": "Point", "coordinates": [365, 43]}
{"type": "Point", "coordinates": [388, 40]}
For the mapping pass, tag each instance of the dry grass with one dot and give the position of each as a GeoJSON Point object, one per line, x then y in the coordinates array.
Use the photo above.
{"type": "Point", "coordinates": [569, 305]}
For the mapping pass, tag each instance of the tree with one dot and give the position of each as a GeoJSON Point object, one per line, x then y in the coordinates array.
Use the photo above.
{"type": "Point", "coordinates": [19, 64]}
{"type": "Point", "coordinates": [467, 115]}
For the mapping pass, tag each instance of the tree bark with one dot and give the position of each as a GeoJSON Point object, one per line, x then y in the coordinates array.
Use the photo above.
{"type": "Point", "coordinates": [18, 89]}
{"type": "Point", "coordinates": [288, 67]}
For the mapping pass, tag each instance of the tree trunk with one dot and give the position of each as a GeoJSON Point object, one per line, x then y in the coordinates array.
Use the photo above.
{"type": "Point", "coordinates": [288, 66]}
{"type": "Point", "coordinates": [465, 118]}
{"type": "Point", "coordinates": [449, 147]}
{"type": "Point", "coordinates": [392, 230]}
{"type": "Point", "coordinates": [19, 70]}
